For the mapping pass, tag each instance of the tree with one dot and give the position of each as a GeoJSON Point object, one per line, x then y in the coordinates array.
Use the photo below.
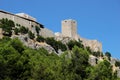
{"type": "Point", "coordinates": [18, 62]}
{"type": "Point", "coordinates": [102, 71]}
{"type": "Point", "coordinates": [9, 57]}
{"type": "Point", "coordinates": [17, 44]}
{"type": "Point", "coordinates": [79, 63]}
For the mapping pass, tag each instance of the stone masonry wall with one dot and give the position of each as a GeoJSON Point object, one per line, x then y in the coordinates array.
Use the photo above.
{"type": "Point", "coordinates": [69, 28]}
{"type": "Point", "coordinates": [30, 24]}
{"type": "Point", "coordinates": [93, 44]}
{"type": "Point", "coordinates": [46, 33]}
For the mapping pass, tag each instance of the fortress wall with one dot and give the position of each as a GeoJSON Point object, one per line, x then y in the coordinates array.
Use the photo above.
{"type": "Point", "coordinates": [46, 33]}
{"type": "Point", "coordinates": [93, 44]}
{"type": "Point", "coordinates": [20, 20]}
{"type": "Point", "coordinates": [5, 15]}
{"type": "Point", "coordinates": [30, 24]}
{"type": "Point", "coordinates": [32, 28]}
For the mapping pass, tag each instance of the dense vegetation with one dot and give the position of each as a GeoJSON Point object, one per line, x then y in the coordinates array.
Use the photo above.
{"type": "Point", "coordinates": [18, 62]}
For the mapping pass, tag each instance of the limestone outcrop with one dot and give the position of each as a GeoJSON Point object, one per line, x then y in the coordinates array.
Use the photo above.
{"type": "Point", "coordinates": [34, 44]}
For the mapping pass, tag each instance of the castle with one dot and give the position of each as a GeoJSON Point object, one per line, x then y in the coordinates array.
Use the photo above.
{"type": "Point", "coordinates": [69, 29]}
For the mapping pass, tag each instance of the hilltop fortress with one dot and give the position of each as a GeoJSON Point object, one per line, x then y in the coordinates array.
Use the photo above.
{"type": "Point", "coordinates": [69, 30]}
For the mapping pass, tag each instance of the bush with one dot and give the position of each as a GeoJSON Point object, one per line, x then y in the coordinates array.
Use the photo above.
{"type": "Point", "coordinates": [37, 29]}
{"type": "Point", "coordinates": [31, 35]}
{"type": "Point", "coordinates": [97, 54]}
{"type": "Point", "coordinates": [16, 30]}
{"type": "Point", "coordinates": [40, 39]}
{"type": "Point", "coordinates": [23, 30]}
{"type": "Point", "coordinates": [108, 55]}
{"type": "Point", "coordinates": [73, 43]}
{"type": "Point", "coordinates": [117, 63]}
{"type": "Point", "coordinates": [56, 44]}
{"type": "Point", "coordinates": [17, 24]}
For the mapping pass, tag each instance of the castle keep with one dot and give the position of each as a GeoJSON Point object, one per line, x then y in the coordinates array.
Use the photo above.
{"type": "Point", "coordinates": [69, 28]}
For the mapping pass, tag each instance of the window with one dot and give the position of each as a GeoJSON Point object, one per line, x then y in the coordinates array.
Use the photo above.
{"type": "Point", "coordinates": [65, 21]}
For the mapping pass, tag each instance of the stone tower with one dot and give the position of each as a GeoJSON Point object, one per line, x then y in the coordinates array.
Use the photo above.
{"type": "Point", "coordinates": [69, 28]}
{"type": "Point", "coordinates": [1, 34]}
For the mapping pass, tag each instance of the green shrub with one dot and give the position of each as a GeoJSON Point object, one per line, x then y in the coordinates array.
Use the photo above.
{"type": "Point", "coordinates": [108, 54]}
{"type": "Point", "coordinates": [37, 29]}
{"type": "Point", "coordinates": [40, 39]}
{"type": "Point", "coordinates": [23, 30]}
{"type": "Point", "coordinates": [7, 26]}
{"type": "Point", "coordinates": [17, 24]}
{"type": "Point", "coordinates": [56, 44]}
{"type": "Point", "coordinates": [16, 30]}
{"type": "Point", "coordinates": [73, 43]}
{"type": "Point", "coordinates": [117, 63]}
{"type": "Point", "coordinates": [31, 35]}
